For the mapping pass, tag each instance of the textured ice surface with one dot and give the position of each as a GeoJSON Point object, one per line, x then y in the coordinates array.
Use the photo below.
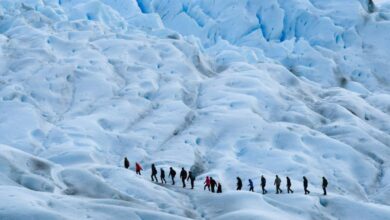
{"type": "Point", "coordinates": [231, 88]}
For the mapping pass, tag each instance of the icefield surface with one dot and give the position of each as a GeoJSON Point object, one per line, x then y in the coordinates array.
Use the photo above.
{"type": "Point", "coordinates": [225, 88]}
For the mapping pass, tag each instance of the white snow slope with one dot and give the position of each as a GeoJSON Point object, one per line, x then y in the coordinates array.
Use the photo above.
{"type": "Point", "coordinates": [225, 87]}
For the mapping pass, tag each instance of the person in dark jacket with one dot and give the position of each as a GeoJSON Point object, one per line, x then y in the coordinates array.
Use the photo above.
{"type": "Point", "coordinates": [126, 163]}
{"type": "Point", "coordinates": [277, 183]}
{"type": "Point", "coordinates": [219, 188]}
{"type": "Point", "coordinates": [289, 185]}
{"type": "Point", "coordinates": [154, 173]}
{"type": "Point", "coordinates": [212, 184]}
{"type": "Point", "coordinates": [324, 184]}
{"type": "Point", "coordinates": [183, 176]}
{"type": "Point", "coordinates": [239, 183]}
{"type": "Point", "coordinates": [251, 187]}
{"type": "Point", "coordinates": [172, 174]}
{"type": "Point", "coordinates": [162, 176]}
{"type": "Point", "coordinates": [305, 185]}
{"type": "Point", "coordinates": [263, 183]}
{"type": "Point", "coordinates": [191, 177]}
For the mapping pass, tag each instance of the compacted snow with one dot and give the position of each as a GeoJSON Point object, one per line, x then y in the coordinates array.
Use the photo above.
{"type": "Point", "coordinates": [226, 88]}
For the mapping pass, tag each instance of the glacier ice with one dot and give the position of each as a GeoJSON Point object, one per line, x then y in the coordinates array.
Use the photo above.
{"type": "Point", "coordinates": [230, 88]}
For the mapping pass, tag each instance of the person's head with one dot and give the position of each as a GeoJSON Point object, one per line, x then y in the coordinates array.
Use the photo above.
{"type": "Point", "coordinates": [276, 176]}
{"type": "Point", "coordinates": [262, 176]}
{"type": "Point", "coordinates": [170, 168]}
{"type": "Point", "coordinates": [182, 168]}
{"type": "Point", "coordinates": [161, 168]}
{"type": "Point", "coordinates": [304, 177]}
{"type": "Point", "coordinates": [126, 158]}
{"type": "Point", "coordinates": [238, 178]}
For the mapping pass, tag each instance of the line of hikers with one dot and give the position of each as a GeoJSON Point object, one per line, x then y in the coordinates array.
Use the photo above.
{"type": "Point", "coordinates": [278, 182]}
{"type": "Point", "coordinates": [211, 184]}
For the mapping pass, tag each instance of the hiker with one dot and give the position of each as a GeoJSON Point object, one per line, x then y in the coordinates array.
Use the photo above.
{"type": "Point", "coordinates": [183, 176]}
{"type": "Point", "coordinates": [126, 163]}
{"type": "Point", "coordinates": [324, 184]}
{"type": "Point", "coordinates": [191, 177]}
{"type": "Point", "coordinates": [154, 173]}
{"type": "Point", "coordinates": [305, 185]}
{"type": "Point", "coordinates": [277, 183]}
{"type": "Point", "coordinates": [263, 183]}
{"type": "Point", "coordinates": [172, 174]}
{"type": "Point", "coordinates": [212, 184]}
{"type": "Point", "coordinates": [251, 186]}
{"type": "Point", "coordinates": [207, 183]}
{"type": "Point", "coordinates": [239, 183]}
{"type": "Point", "coordinates": [162, 176]}
{"type": "Point", "coordinates": [138, 168]}
{"type": "Point", "coordinates": [219, 188]}
{"type": "Point", "coordinates": [289, 185]}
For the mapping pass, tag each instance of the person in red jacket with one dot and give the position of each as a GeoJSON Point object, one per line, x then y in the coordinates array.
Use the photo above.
{"type": "Point", "coordinates": [207, 183]}
{"type": "Point", "coordinates": [138, 168]}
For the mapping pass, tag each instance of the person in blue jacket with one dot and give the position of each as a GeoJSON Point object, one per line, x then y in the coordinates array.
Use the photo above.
{"type": "Point", "coordinates": [251, 185]}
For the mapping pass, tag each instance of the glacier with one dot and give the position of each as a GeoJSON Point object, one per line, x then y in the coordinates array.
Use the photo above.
{"type": "Point", "coordinates": [224, 87]}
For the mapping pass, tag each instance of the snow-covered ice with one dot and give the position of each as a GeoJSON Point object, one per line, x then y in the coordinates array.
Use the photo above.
{"type": "Point", "coordinates": [225, 87]}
